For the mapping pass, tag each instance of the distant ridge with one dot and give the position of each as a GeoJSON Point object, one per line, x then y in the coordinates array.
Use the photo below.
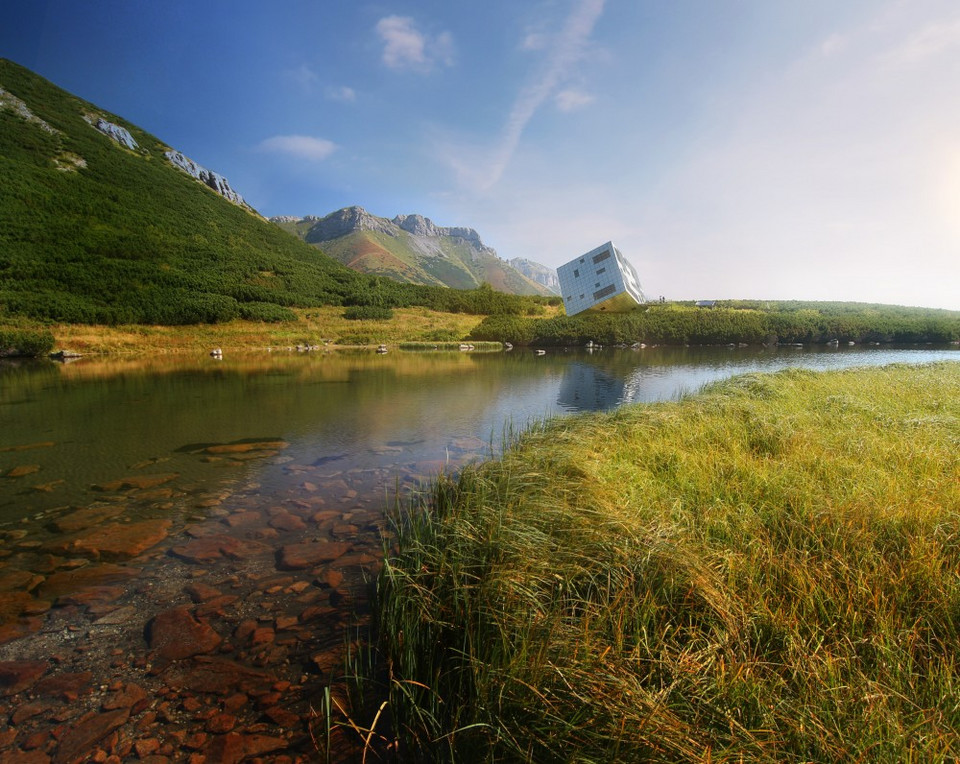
{"type": "Point", "coordinates": [414, 249]}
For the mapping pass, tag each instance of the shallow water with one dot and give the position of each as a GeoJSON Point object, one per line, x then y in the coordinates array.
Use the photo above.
{"type": "Point", "coordinates": [126, 483]}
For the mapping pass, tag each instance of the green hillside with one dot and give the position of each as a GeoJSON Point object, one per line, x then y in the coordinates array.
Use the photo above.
{"type": "Point", "coordinates": [94, 232]}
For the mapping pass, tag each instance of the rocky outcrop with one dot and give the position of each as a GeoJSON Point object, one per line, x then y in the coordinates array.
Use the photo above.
{"type": "Point", "coordinates": [537, 272]}
{"type": "Point", "coordinates": [9, 101]}
{"type": "Point", "coordinates": [208, 177]}
{"type": "Point", "coordinates": [346, 221]}
{"type": "Point", "coordinates": [120, 134]}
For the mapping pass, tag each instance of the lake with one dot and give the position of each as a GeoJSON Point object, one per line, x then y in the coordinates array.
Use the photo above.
{"type": "Point", "coordinates": [172, 517]}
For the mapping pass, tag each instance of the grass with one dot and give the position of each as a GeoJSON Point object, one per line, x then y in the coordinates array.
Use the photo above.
{"type": "Point", "coordinates": [766, 571]}
{"type": "Point", "coordinates": [313, 326]}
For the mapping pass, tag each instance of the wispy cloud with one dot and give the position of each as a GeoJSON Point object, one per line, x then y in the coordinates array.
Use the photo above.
{"type": "Point", "coordinates": [406, 47]}
{"type": "Point", "coordinates": [299, 146]}
{"type": "Point", "coordinates": [563, 54]}
{"type": "Point", "coordinates": [572, 99]}
{"type": "Point", "coordinates": [341, 93]}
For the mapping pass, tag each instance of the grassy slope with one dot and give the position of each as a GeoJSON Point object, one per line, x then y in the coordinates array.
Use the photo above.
{"type": "Point", "coordinates": [766, 571]}
{"type": "Point", "coordinates": [129, 237]}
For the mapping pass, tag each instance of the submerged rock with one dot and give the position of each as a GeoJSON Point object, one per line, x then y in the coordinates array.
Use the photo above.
{"type": "Point", "coordinates": [117, 541]}
{"type": "Point", "coordinates": [175, 634]}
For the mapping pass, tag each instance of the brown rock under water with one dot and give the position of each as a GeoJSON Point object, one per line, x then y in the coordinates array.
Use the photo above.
{"type": "Point", "coordinates": [175, 634]}
{"type": "Point", "coordinates": [310, 553]}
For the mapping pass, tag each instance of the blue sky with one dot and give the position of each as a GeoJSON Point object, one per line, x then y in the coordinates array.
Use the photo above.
{"type": "Point", "coordinates": [772, 149]}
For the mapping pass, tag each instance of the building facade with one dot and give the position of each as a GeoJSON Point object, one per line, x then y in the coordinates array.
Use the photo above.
{"type": "Point", "coordinates": [600, 280]}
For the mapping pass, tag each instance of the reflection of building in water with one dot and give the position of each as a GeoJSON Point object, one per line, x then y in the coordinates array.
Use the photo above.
{"type": "Point", "coordinates": [599, 387]}
{"type": "Point", "coordinates": [586, 387]}
{"type": "Point", "coordinates": [600, 280]}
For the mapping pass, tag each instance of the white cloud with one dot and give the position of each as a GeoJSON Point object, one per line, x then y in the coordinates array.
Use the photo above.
{"type": "Point", "coordinates": [406, 47]}
{"type": "Point", "coordinates": [563, 54]}
{"type": "Point", "coordinates": [342, 93]}
{"type": "Point", "coordinates": [299, 146]}
{"type": "Point", "coordinates": [571, 99]}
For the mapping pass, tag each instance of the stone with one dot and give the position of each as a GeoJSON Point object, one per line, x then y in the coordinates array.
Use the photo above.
{"type": "Point", "coordinates": [243, 448]}
{"type": "Point", "coordinates": [241, 519]}
{"type": "Point", "coordinates": [215, 546]}
{"type": "Point", "coordinates": [67, 686]}
{"type": "Point", "coordinates": [287, 521]}
{"type": "Point", "coordinates": [146, 746]}
{"type": "Point", "coordinates": [23, 470]}
{"type": "Point", "coordinates": [310, 553]}
{"type": "Point", "coordinates": [28, 711]}
{"type": "Point", "coordinates": [79, 740]}
{"type": "Point", "coordinates": [116, 541]}
{"type": "Point", "coordinates": [68, 581]}
{"type": "Point", "coordinates": [234, 747]}
{"type": "Point", "coordinates": [17, 676]}
{"type": "Point", "coordinates": [13, 605]}
{"type": "Point", "coordinates": [175, 634]}
{"type": "Point", "coordinates": [86, 517]}
{"type": "Point", "coordinates": [282, 717]}
{"type": "Point", "coordinates": [135, 481]}
{"type": "Point", "coordinates": [218, 724]}
{"type": "Point", "coordinates": [218, 676]}
{"type": "Point", "coordinates": [120, 134]}
{"type": "Point", "coordinates": [131, 696]}
{"type": "Point", "coordinates": [209, 178]}
{"type": "Point", "coordinates": [201, 592]}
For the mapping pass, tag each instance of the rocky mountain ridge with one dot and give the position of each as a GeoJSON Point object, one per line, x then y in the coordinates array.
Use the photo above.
{"type": "Point", "coordinates": [412, 248]}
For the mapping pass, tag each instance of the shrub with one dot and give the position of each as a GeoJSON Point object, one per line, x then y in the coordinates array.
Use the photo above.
{"type": "Point", "coordinates": [368, 313]}
{"type": "Point", "coordinates": [24, 342]}
{"type": "Point", "coordinates": [266, 311]}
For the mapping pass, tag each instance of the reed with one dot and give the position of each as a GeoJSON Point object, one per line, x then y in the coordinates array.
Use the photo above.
{"type": "Point", "coordinates": [768, 570]}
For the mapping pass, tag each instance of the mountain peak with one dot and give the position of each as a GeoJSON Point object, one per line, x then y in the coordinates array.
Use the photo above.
{"type": "Point", "coordinates": [411, 248]}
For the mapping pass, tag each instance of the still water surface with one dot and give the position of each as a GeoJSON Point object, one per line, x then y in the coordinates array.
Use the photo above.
{"type": "Point", "coordinates": [400, 414]}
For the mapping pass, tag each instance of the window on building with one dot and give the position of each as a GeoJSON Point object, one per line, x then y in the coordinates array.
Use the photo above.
{"type": "Point", "coordinates": [601, 257]}
{"type": "Point", "coordinates": [602, 270]}
{"type": "Point", "coordinates": [607, 290]}
{"type": "Point", "coordinates": [576, 273]}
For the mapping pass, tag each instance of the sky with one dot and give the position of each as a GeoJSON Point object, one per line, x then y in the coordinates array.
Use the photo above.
{"type": "Point", "coordinates": [731, 149]}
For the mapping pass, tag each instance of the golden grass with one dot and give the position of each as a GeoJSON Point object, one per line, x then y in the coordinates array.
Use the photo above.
{"type": "Point", "coordinates": [315, 326]}
{"type": "Point", "coordinates": [766, 571]}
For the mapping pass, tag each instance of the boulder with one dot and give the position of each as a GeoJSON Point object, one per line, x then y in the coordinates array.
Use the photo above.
{"type": "Point", "coordinates": [175, 634]}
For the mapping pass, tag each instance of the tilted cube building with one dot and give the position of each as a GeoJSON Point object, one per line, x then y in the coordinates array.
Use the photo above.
{"type": "Point", "coordinates": [600, 280]}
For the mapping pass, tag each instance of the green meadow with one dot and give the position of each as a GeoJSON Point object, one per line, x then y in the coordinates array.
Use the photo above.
{"type": "Point", "coordinates": [768, 570]}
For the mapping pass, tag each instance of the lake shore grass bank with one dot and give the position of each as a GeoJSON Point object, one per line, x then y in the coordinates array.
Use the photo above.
{"type": "Point", "coordinates": [324, 326]}
{"type": "Point", "coordinates": [542, 324]}
{"type": "Point", "coordinates": [764, 571]}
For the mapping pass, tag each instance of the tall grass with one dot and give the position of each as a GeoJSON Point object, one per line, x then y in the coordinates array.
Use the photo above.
{"type": "Point", "coordinates": [765, 571]}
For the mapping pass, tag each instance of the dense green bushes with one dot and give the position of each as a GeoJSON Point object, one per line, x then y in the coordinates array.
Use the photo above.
{"type": "Point", "coordinates": [368, 313]}
{"type": "Point", "coordinates": [23, 342]}
{"type": "Point", "coordinates": [773, 322]}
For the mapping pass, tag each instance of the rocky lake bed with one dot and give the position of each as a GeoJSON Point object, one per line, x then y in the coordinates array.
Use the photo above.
{"type": "Point", "coordinates": [163, 621]}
